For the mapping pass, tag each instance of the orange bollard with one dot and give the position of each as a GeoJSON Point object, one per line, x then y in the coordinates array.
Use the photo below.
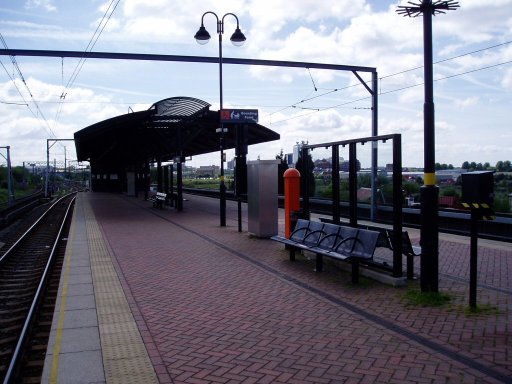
{"type": "Point", "coordinates": [291, 198]}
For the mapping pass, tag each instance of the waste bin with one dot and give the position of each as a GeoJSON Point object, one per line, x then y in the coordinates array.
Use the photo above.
{"type": "Point", "coordinates": [262, 197]}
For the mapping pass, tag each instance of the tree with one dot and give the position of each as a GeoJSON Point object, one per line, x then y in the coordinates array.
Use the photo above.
{"type": "Point", "coordinates": [465, 165]}
{"type": "Point", "coordinates": [306, 170]}
{"type": "Point", "coordinates": [281, 168]}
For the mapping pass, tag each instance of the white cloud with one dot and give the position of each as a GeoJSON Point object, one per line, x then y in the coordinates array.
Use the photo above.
{"type": "Point", "coordinates": [45, 4]}
{"type": "Point", "coordinates": [351, 32]}
{"type": "Point", "coordinates": [466, 103]}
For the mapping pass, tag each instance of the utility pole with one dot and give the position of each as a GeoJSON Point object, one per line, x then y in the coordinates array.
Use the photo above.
{"type": "Point", "coordinates": [429, 192]}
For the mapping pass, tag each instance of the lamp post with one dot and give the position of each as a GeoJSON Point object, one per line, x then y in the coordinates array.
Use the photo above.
{"type": "Point", "coordinates": [202, 37]}
{"type": "Point", "coordinates": [429, 192]}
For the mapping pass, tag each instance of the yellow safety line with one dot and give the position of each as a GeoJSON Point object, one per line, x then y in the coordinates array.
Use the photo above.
{"type": "Point", "coordinates": [60, 324]}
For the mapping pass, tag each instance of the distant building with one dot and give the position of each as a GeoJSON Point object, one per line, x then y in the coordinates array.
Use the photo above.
{"type": "Point", "coordinates": [344, 165]}
{"type": "Point", "coordinates": [208, 171]}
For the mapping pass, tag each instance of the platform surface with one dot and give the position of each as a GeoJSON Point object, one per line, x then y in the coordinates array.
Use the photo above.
{"type": "Point", "coordinates": [151, 295]}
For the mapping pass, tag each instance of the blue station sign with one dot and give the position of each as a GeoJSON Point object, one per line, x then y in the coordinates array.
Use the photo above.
{"type": "Point", "coordinates": [239, 115]}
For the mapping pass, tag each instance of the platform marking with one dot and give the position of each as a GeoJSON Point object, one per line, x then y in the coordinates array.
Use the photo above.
{"type": "Point", "coordinates": [54, 374]}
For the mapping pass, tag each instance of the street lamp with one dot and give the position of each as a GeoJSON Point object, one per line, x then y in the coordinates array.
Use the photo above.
{"type": "Point", "coordinates": [238, 38]}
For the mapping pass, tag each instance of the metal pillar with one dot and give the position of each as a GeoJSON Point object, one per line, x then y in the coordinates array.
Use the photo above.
{"type": "Point", "coordinates": [159, 181]}
{"type": "Point", "coordinates": [429, 193]}
{"type": "Point", "coordinates": [335, 184]}
{"type": "Point", "coordinates": [352, 184]}
{"type": "Point", "coordinates": [375, 151]}
{"type": "Point", "coordinates": [304, 180]}
{"type": "Point", "coordinates": [10, 189]}
{"type": "Point", "coordinates": [397, 210]}
{"type": "Point", "coordinates": [179, 176]}
{"type": "Point", "coordinates": [171, 183]}
{"type": "Point", "coordinates": [166, 179]}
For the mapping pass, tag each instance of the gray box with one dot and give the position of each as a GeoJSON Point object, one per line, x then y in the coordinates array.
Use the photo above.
{"type": "Point", "coordinates": [262, 197]}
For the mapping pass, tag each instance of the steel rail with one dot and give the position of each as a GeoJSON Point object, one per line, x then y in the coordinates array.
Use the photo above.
{"type": "Point", "coordinates": [16, 358]}
{"type": "Point", "coordinates": [28, 231]}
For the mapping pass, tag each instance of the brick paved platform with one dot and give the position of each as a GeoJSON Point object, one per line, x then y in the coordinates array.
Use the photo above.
{"type": "Point", "coordinates": [213, 305]}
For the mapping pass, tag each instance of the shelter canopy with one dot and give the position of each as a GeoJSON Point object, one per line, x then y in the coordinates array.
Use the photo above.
{"type": "Point", "coordinates": [177, 126]}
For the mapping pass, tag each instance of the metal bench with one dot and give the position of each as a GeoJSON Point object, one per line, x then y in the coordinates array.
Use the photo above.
{"type": "Point", "coordinates": [386, 240]}
{"type": "Point", "coordinates": [333, 241]}
{"type": "Point", "coordinates": [158, 200]}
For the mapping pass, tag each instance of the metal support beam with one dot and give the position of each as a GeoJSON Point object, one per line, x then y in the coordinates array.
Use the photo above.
{"type": "Point", "coordinates": [352, 183]}
{"type": "Point", "coordinates": [335, 184]}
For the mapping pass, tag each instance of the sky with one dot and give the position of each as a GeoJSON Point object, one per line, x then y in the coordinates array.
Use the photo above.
{"type": "Point", "coordinates": [52, 98]}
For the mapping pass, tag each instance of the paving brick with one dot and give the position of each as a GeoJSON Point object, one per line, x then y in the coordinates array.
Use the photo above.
{"type": "Point", "coordinates": [212, 313]}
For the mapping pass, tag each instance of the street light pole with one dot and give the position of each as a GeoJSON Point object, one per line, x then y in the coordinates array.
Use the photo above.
{"type": "Point", "coordinates": [429, 192]}
{"type": "Point", "coordinates": [202, 37]}
{"type": "Point", "coordinates": [220, 26]}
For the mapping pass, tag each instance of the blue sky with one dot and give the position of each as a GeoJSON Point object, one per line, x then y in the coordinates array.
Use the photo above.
{"type": "Point", "coordinates": [472, 91]}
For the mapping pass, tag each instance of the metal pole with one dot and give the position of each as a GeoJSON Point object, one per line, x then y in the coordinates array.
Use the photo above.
{"type": "Point", "coordinates": [10, 191]}
{"type": "Point", "coordinates": [304, 153]}
{"type": "Point", "coordinates": [335, 184]}
{"type": "Point", "coordinates": [473, 261]}
{"type": "Point", "coordinates": [397, 208]}
{"type": "Point", "coordinates": [352, 184]}
{"type": "Point", "coordinates": [179, 181]}
{"type": "Point", "coordinates": [429, 192]}
{"type": "Point", "coordinates": [222, 184]}
{"type": "Point", "coordinates": [171, 186]}
{"type": "Point", "coordinates": [375, 132]}
{"type": "Point", "coordinates": [47, 167]}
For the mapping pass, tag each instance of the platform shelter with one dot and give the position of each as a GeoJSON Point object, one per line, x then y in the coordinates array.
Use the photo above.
{"type": "Point", "coordinates": [121, 149]}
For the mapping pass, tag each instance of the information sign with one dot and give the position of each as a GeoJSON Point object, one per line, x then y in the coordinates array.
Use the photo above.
{"type": "Point", "coordinates": [239, 115]}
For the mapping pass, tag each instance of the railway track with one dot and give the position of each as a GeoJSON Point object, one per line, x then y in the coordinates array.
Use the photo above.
{"type": "Point", "coordinates": [12, 212]}
{"type": "Point", "coordinates": [29, 278]}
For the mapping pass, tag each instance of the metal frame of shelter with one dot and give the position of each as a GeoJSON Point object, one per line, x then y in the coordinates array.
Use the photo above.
{"type": "Point", "coordinates": [397, 188]}
{"type": "Point", "coordinates": [237, 61]}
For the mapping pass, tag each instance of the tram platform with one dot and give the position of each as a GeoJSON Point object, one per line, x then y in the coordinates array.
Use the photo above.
{"type": "Point", "coordinates": [161, 296]}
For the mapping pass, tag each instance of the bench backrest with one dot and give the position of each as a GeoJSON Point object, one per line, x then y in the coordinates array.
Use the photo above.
{"type": "Point", "coordinates": [384, 239]}
{"type": "Point", "coordinates": [315, 233]}
{"type": "Point", "coordinates": [346, 239]}
{"type": "Point", "coordinates": [330, 237]}
{"type": "Point", "coordinates": [300, 231]}
{"type": "Point", "coordinates": [365, 244]}
{"type": "Point", "coordinates": [406, 244]}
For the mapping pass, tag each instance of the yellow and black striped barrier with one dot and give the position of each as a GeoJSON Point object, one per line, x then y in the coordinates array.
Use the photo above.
{"type": "Point", "coordinates": [484, 211]}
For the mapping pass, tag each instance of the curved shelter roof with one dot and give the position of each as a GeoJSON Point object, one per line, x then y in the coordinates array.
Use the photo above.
{"type": "Point", "coordinates": [171, 127]}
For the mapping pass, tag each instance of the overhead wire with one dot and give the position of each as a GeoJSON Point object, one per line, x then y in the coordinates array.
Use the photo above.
{"type": "Point", "coordinates": [402, 88]}
{"type": "Point", "coordinates": [39, 115]}
{"type": "Point", "coordinates": [90, 45]}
